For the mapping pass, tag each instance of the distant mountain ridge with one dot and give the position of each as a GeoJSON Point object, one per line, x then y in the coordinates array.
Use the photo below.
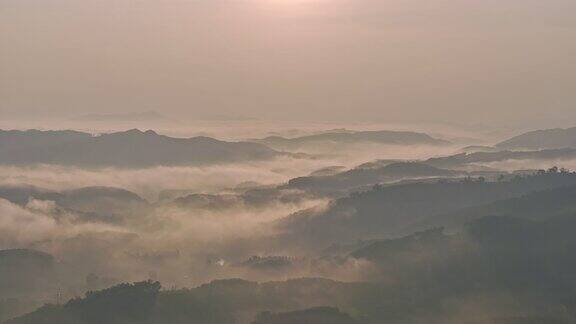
{"type": "Point", "coordinates": [542, 139]}
{"type": "Point", "coordinates": [351, 137]}
{"type": "Point", "coordinates": [350, 180]}
{"type": "Point", "coordinates": [463, 159]}
{"type": "Point", "coordinates": [132, 148]}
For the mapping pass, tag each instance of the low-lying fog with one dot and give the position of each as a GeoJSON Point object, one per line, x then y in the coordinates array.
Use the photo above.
{"type": "Point", "coordinates": [181, 243]}
{"type": "Point", "coordinates": [186, 225]}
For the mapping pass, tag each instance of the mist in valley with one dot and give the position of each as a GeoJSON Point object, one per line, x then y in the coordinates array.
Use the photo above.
{"type": "Point", "coordinates": [287, 162]}
{"type": "Point", "coordinates": [268, 220]}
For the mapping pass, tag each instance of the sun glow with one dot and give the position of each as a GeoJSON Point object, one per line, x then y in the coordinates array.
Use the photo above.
{"type": "Point", "coordinates": [294, 6]}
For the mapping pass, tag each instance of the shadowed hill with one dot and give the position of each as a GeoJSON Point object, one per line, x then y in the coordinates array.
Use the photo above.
{"type": "Point", "coordinates": [426, 277]}
{"type": "Point", "coordinates": [100, 204]}
{"type": "Point", "coordinates": [499, 252]}
{"type": "Point", "coordinates": [24, 272]}
{"type": "Point", "coordinates": [352, 137]}
{"type": "Point", "coordinates": [536, 206]}
{"type": "Point", "coordinates": [464, 159]}
{"type": "Point", "coordinates": [220, 302]}
{"type": "Point", "coordinates": [132, 148]}
{"type": "Point", "coordinates": [542, 139]}
{"type": "Point", "coordinates": [357, 178]}
{"type": "Point", "coordinates": [391, 210]}
{"type": "Point", "coordinates": [318, 315]}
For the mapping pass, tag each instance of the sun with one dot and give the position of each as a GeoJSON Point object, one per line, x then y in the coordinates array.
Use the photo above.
{"type": "Point", "coordinates": [293, 3]}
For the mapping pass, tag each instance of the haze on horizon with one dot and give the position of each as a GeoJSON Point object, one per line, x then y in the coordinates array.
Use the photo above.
{"type": "Point", "coordinates": [287, 161]}
{"type": "Point", "coordinates": [487, 61]}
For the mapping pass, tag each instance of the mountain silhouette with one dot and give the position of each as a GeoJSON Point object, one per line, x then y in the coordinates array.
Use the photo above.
{"type": "Point", "coordinates": [132, 148]}
{"type": "Point", "coordinates": [542, 139]}
{"type": "Point", "coordinates": [351, 137]}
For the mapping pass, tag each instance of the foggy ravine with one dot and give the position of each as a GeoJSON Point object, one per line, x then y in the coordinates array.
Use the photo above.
{"type": "Point", "coordinates": [287, 162]}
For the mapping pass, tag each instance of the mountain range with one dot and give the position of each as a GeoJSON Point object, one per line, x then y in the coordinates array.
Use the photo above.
{"type": "Point", "coordinates": [133, 148]}
{"type": "Point", "coordinates": [542, 139]}
{"type": "Point", "coordinates": [347, 137]}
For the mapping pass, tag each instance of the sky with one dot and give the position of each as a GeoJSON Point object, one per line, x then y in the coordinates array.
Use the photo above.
{"type": "Point", "coordinates": [492, 61]}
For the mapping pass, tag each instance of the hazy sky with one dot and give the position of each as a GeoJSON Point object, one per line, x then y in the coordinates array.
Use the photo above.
{"type": "Point", "coordinates": [437, 60]}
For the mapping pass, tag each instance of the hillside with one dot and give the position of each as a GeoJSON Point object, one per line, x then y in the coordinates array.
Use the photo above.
{"type": "Point", "coordinates": [351, 137]}
{"type": "Point", "coordinates": [24, 272]}
{"type": "Point", "coordinates": [97, 204]}
{"type": "Point", "coordinates": [391, 210]}
{"type": "Point", "coordinates": [542, 139]}
{"type": "Point", "coordinates": [132, 148]}
{"type": "Point", "coordinates": [509, 270]}
{"type": "Point", "coordinates": [360, 177]}
{"type": "Point", "coordinates": [538, 205]}
{"type": "Point", "coordinates": [464, 159]}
